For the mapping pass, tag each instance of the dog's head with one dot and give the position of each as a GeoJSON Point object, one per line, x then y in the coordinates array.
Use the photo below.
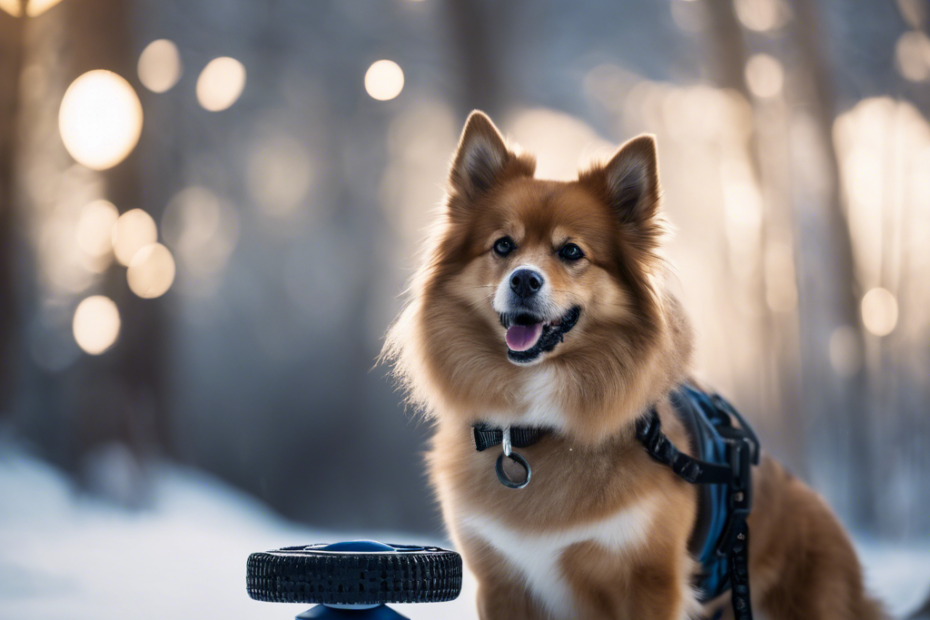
{"type": "Point", "coordinates": [526, 272]}
{"type": "Point", "coordinates": [544, 261]}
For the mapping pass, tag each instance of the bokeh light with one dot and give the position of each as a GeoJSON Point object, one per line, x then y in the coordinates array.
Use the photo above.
{"type": "Point", "coordinates": [912, 55]}
{"type": "Point", "coordinates": [764, 75]}
{"type": "Point", "coordinates": [879, 311]}
{"type": "Point", "coordinates": [37, 7]}
{"type": "Point", "coordinates": [761, 15]}
{"type": "Point", "coordinates": [133, 231]}
{"type": "Point", "coordinates": [420, 138]}
{"type": "Point", "coordinates": [95, 228]}
{"type": "Point", "coordinates": [743, 208]}
{"type": "Point", "coordinates": [13, 7]}
{"type": "Point", "coordinates": [880, 142]}
{"type": "Point", "coordinates": [202, 229]}
{"type": "Point", "coordinates": [100, 119]}
{"type": "Point", "coordinates": [151, 271]}
{"type": "Point", "coordinates": [384, 80]}
{"type": "Point", "coordinates": [279, 175]}
{"type": "Point", "coordinates": [220, 83]}
{"type": "Point", "coordinates": [562, 143]}
{"type": "Point", "coordinates": [160, 66]}
{"type": "Point", "coordinates": [58, 258]}
{"type": "Point", "coordinates": [96, 324]}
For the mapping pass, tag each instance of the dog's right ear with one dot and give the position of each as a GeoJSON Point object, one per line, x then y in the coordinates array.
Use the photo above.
{"type": "Point", "coordinates": [483, 159]}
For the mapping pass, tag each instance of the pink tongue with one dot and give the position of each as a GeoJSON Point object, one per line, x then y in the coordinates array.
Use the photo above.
{"type": "Point", "coordinates": [523, 337]}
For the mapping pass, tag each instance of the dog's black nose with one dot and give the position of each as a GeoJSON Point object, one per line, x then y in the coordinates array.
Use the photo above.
{"type": "Point", "coordinates": [526, 282]}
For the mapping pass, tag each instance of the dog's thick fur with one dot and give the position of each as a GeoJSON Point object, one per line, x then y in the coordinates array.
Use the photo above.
{"type": "Point", "coordinates": [602, 530]}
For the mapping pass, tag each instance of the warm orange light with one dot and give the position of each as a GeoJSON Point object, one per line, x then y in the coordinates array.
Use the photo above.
{"type": "Point", "coordinates": [202, 229]}
{"type": "Point", "coordinates": [220, 83]}
{"type": "Point", "coordinates": [764, 76]}
{"type": "Point", "coordinates": [761, 15]}
{"type": "Point", "coordinates": [879, 311]}
{"type": "Point", "coordinates": [100, 119]}
{"type": "Point", "coordinates": [133, 231]}
{"type": "Point", "coordinates": [562, 143]}
{"type": "Point", "coordinates": [13, 7]}
{"type": "Point", "coordinates": [912, 54]}
{"type": "Point", "coordinates": [160, 66]}
{"type": "Point", "coordinates": [279, 175]}
{"type": "Point", "coordinates": [96, 324]}
{"type": "Point", "coordinates": [384, 80]}
{"type": "Point", "coordinates": [95, 228]}
{"type": "Point", "coordinates": [37, 7]}
{"type": "Point", "coordinates": [151, 271]}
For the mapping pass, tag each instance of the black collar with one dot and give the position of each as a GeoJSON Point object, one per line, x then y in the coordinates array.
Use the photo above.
{"type": "Point", "coordinates": [487, 436]}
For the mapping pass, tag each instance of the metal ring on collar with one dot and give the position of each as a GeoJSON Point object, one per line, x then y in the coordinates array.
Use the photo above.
{"type": "Point", "coordinates": [507, 482]}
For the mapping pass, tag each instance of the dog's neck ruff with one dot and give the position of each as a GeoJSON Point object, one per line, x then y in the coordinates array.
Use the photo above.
{"type": "Point", "coordinates": [726, 447]}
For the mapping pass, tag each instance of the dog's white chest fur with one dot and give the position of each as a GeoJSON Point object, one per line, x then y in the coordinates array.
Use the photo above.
{"type": "Point", "coordinates": [540, 404]}
{"type": "Point", "coordinates": [536, 555]}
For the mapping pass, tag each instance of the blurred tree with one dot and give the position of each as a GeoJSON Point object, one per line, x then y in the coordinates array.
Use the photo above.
{"type": "Point", "coordinates": [480, 34]}
{"type": "Point", "coordinates": [10, 62]}
{"type": "Point", "coordinates": [727, 50]}
{"type": "Point", "coordinates": [123, 396]}
{"type": "Point", "coordinates": [829, 289]}
{"type": "Point", "coordinates": [772, 396]}
{"type": "Point", "coordinates": [473, 45]}
{"type": "Point", "coordinates": [117, 396]}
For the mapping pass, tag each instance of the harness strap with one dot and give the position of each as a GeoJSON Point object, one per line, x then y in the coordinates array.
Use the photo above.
{"type": "Point", "coordinates": [742, 452]}
{"type": "Point", "coordinates": [739, 573]}
{"type": "Point", "coordinates": [649, 432]}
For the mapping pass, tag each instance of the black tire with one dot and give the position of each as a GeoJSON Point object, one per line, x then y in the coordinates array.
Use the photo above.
{"type": "Point", "coordinates": [311, 575]}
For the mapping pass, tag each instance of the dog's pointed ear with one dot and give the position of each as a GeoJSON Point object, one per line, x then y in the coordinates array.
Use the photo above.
{"type": "Point", "coordinates": [632, 180]}
{"type": "Point", "coordinates": [629, 182]}
{"type": "Point", "coordinates": [482, 158]}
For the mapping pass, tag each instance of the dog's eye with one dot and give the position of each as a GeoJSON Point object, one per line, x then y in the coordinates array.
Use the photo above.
{"type": "Point", "coordinates": [570, 252]}
{"type": "Point", "coordinates": [504, 246]}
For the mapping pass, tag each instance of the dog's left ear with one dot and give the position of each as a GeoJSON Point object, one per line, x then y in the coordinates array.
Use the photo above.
{"type": "Point", "coordinates": [630, 181]}
{"type": "Point", "coordinates": [483, 159]}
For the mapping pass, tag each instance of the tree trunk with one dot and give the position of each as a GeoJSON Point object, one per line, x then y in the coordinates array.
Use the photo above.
{"type": "Point", "coordinates": [772, 396]}
{"type": "Point", "coordinates": [478, 41]}
{"type": "Point", "coordinates": [834, 292]}
{"type": "Point", "coordinates": [116, 397]}
{"type": "Point", "coordinates": [11, 38]}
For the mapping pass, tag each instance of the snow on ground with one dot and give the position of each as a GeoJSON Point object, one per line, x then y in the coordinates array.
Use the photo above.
{"type": "Point", "coordinates": [68, 556]}
{"type": "Point", "coordinates": [65, 555]}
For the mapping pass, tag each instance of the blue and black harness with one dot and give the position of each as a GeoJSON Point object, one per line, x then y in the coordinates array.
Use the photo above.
{"type": "Point", "coordinates": [725, 449]}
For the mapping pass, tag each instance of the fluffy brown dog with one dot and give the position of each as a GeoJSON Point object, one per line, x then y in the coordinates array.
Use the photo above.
{"type": "Point", "coordinates": [542, 303]}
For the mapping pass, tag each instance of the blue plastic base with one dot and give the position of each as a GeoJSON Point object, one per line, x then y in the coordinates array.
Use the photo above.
{"type": "Point", "coordinates": [322, 612]}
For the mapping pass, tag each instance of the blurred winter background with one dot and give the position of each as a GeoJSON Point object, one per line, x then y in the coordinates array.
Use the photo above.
{"type": "Point", "coordinates": [208, 211]}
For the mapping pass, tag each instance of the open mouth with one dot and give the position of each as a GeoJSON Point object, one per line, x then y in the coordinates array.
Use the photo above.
{"type": "Point", "coordinates": [529, 336]}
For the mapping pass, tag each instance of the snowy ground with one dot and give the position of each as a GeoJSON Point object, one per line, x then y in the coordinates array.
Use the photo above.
{"type": "Point", "coordinates": [68, 556]}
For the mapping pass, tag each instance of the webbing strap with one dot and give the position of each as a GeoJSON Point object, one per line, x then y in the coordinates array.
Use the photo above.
{"type": "Point", "coordinates": [649, 432]}
{"type": "Point", "coordinates": [742, 451]}
{"type": "Point", "coordinates": [739, 573]}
